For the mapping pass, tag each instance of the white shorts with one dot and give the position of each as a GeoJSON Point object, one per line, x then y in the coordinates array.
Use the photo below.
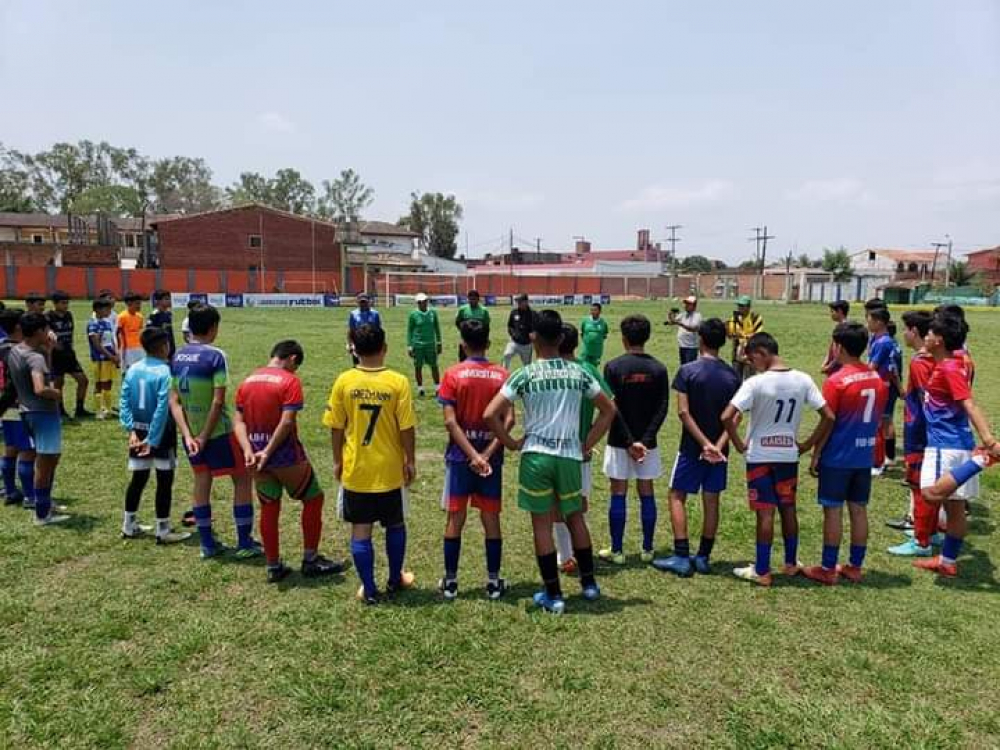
{"type": "Point", "coordinates": [618, 464]}
{"type": "Point", "coordinates": [524, 351]}
{"type": "Point", "coordinates": [146, 463]}
{"type": "Point", "coordinates": [940, 461]}
{"type": "Point", "coordinates": [585, 481]}
{"type": "Point", "coordinates": [131, 356]}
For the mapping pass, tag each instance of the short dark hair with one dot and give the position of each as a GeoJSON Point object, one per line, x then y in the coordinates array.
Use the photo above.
{"type": "Point", "coordinates": [764, 341]}
{"type": "Point", "coordinates": [951, 328]}
{"type": "Point", "coordinates": [289, 348]}
{"type": "Point", "coordinates": [60, 296]}
{"type": "Point", "coordinates": [132, 297]}
{"type": "Point", "coordinates": [918, 319]}
{"type": "Point", "coordinates": [521, 298]}
{"type": "Point", "coordinates": [841, 306]}
{"type": "Point", "coordinates": [10, 319]}
{"type": "Point", "coordinates": [475, 333]}
{"type": "Point", "coordinates": [713, 333]}
{"type": "Point", "coordinates": [32, 323]}
{"type": "Point", "coordinates": [570, 339]}
{"type": "Point", "coordinates": [101, 303]}
{"type": "Point", "coordinates": [368, 339]}
{"type": "Point", "coordinates": [471, 292]}
{"type": "Point", "coordinates": [203, 319]}
{"type": "Point", "coordinates": [636, 329]}
{"type": "Point", "coordinates": [160, 294]}
{"type": "Point", "coordinates": [548, 327]}
{"type": "Point", "coordinates": [193, 303]}
{"type": "Point", "coordinates": [32, 297]}
{"type": "Point", "coordinates": [152, 338]}
{"type": "Point", "coordinates": [881, 314]}
{"type": "Point", "coordinates": [875, 304]}
{"type": "Point", "coordinates": [853, 337]}
{"type": "Point", "coordinates": [950, 309]}
{"type": "Point", "coordinates": [598, 305]}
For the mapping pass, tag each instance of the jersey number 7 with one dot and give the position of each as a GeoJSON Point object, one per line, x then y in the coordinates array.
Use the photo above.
{"type": "Point", "coordinates": [375, 410]}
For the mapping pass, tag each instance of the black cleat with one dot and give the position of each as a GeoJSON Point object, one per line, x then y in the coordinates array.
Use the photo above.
{"type": "Point", "coordinates": [278, 573]}
{"type": "Point", "coordinates": [322, 566]}
{"type": "Point", "coordinates": [16, 499]}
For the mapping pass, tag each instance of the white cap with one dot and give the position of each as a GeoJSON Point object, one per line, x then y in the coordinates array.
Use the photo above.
{"type": "Point", "coordinates": [421, 297]}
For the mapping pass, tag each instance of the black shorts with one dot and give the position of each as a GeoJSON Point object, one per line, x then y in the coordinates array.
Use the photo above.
{"type": "Point", "coordinates": [168, 444]}
{"type": "Point", "coordinates": [64, 362]}
{"type": "Point", "coordinates": [385, 508]}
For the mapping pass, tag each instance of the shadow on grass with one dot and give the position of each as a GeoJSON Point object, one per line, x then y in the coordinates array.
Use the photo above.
{"type": "Point", "coordinates": [976, 573]}
{"type": "Point", "coordinates": [80, 523]}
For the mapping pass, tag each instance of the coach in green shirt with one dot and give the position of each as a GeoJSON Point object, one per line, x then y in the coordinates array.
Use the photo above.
{"type": "Point", "coordinates": [593, 332]}
{"type": "Point", "coordinates": [471, 311]}
{"type": "Point", "coordinates": [423, 341]}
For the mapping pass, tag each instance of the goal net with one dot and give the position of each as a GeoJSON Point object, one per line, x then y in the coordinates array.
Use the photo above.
{"type": "Point", "coordinates": [402, 288]}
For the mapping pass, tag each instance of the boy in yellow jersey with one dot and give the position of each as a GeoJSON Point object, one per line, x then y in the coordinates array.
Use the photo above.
{"type": "Point", "coordinates": [373, 431]}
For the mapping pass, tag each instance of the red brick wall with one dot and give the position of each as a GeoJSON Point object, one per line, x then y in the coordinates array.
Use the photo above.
{"type": "Point", "coordinates": [221, 241]}
{"type": "Point", "coordinates": [28, 254]}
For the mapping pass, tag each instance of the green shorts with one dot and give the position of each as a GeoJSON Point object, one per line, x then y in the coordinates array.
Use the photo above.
{"type": "Point", "coordinates": [543, 479]}
{"type": "Point", "coordinates": [425, 355]}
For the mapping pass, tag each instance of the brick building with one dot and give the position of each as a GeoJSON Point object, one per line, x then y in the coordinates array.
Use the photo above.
{"type": "Point", "coordinates": [986, 263]}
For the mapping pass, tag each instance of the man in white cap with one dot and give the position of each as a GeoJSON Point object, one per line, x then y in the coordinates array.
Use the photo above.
{"type": "Point", "coordinates": [363, 314]}
{"type": "Point", "coordinates": [423, 341]}
{"type": "Point", "coordinates": [687, 329]}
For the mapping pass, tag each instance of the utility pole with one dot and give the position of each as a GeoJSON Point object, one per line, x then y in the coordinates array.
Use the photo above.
{"type": "Point", "coordinates": [937, 250]}
{"type": "Point", "coordinates": [538, 249]}
{"type": "Point", "coordinates": [760, 239]}
{"type": "Point", "coordinates": [673, 239]}
{"type": "Point", "coordinates": [947, 268]}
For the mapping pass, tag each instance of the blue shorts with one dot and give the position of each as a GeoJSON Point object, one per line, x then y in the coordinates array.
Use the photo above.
{"type": "Point", "coordinates": [771, 485]}
{"type": "Point", "coordinates": [838, 486]}
{"type": "Point", "coordinates": [221, 456]}
{"type": "Point", "coordinates": [691, 474]}
{"type": "Point", "coordinates": [16, 436]}
{"type": "Point", "coordinates": [463, 486]}
{"type": "Point", "coordinates": [890, 404]}
{"type": "Point", "coordinates": [45, 429]}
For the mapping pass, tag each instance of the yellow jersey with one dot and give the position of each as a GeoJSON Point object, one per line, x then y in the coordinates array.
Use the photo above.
{"type": "Point", "coordinates": [371, 406]}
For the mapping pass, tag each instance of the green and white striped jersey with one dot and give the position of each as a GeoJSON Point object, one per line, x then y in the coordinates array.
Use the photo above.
{"type": "Point", "coordinates": [552, 391]}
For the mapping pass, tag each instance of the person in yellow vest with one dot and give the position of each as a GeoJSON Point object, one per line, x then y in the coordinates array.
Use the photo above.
{"type": "Point", "coordinates": [743, 324]}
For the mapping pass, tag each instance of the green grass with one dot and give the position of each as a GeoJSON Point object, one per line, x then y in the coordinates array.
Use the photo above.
{"type": "Point", "coordinates": [112, 644]}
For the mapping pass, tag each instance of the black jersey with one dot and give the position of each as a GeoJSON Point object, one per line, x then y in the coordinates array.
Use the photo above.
{"type": "Point", "coordinates": [642, 397]}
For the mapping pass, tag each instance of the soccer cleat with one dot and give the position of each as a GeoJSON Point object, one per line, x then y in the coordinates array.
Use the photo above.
{"type": "Point", "coordinates": [592, 593]}
{"type": "Point", "coordinates": [554, 606]}
{"type": "Point", "coordinates": [820, 574]}
{"type": "Point", "coordinates": [278, 572]}
{"type": "Point", "coordinates": [496, 589]}
{"type": "Point", "coordinates": [102, 415]}
{"type": "Point", "coordinates": [82, 413]}
{"type": "Point", "coordinates": [701, 564]}
{"type": "Point", "coordinates": [173, 537]}
{"type": "Point", "coordinates": [900, 524]}
{"type": "Point", "coordinates": [369, 599]}
{"type": "Point", "coordinates": [28, 503]}
{"type": "Point", "coordinates": [248, 553]}
{"type": "Point", "coordinates": [852, 573]}
{"type": "Point", "coordinates": [50, 519]}
{"type": "Point", "coordinates": [16, 499]}
{"type": "Point", "coordinates": [406, 581]}
{"type": "Point", "coordinates": [448, 589]}
{"type": "Point", "coordinates": [138, 530]}
{"type": "Point", "coordinates": [323, 566]}
{"type": "Point", "coordinates": [646, 555]}
{"type": "Point", "coordinates": [937, 538]}
{"type": "Point", "coordinates": [791, 570]}
{"type": "Point", "coordinates": [910, 548]}
{"type": "Point", "coordinates": [935, 565]}
{"type": "Point", "coordinates": [749, 573]}
{"type": "Point", "coordinates": [609, 555]}
{"type": "Point", "coordinates": [675, 564]}
{"type": "Point", "coordinates": [569, 567]}
{"type": "Point", "coordinates": [877, 472]}
{"type": "Point", "coordinates": [187, 519]}
{"type": "Point", "coordinates": [218, 550]}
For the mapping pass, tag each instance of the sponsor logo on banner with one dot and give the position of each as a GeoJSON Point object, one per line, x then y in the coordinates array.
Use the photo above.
{"type": "Point", "coordinates": [234, 300]}
{"type": "Point", "coordinates": [331, 300]}
{"type": "Point", "coordinates": [283, 300]}
{"type": "Point", "coordinates": [437, 300]}
{"type": "Point", "coordinates": [181, 299]}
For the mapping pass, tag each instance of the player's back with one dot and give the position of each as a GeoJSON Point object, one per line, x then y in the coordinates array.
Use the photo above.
{"type": "Point", "coordinates": [914, 425]}
{"type": "Point", "coordinates": [262, 399]}
{"type": "Point", "coordinates": [640, 384]}
{"type": "Point", "coordinates": [856, 395]}
{"type": "Point", "coordinates": [469, 387]}
{"type": "Point", "coordinates": [62, 326]}
{"type": "Point", "coordinates": [197, 370]}
{"type": "Point", "coordinates": [775, 401]}
{"type": "Point", "coordinates": [103, 329]}
{"type": "Point", "coordinates": [143, 383]}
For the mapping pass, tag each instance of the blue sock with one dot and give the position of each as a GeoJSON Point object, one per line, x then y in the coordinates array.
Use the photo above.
{"type": "Point", "coordinates": [951, 547]}
{"type": "Point", "coordinates": [647, 511]}
{"type": "Point", "coordinates": [858, 554]}
{"type": "Point", "coordinates": [452, 553]}
{"type": "Point", "coordinates": [617, 514]}
{"type": "Point", "coordinates": [791, 550]}
{"type": "Point", "coordinates": [243, 518]}
{"type": "Point", "coordinates": [830, 553]}
{"type": "Point", "coordinates": [203, 520]}
{"type": "Point", "coordinates": [395, 550]}
{"type": "Point", "coordinates": [43, 502]}
{"type": "Point", "coordinates": [966, 471]}
{"type": "Point", "coordinates": [8, 467]}
{"type": "Point", "coordinates": [494, 553]}
{"type": "Point", "coordinates": [763, 564]}
{"type": "Point", "coordinates": [364, 562]}
{"type": "Point", "coordinates": [26, 473]}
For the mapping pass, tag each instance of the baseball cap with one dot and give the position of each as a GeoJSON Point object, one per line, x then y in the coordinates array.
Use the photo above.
{"type": "Point", "coordinates": [690, 300]}
{"type": "Point", "coordinates": [421, 297]}
{"type": "Point", "coordinates": [521, 298]}
{"type": "Point", "coordinates": [361, 296]}
{"type": "Point", "coordinates": [744, 299]}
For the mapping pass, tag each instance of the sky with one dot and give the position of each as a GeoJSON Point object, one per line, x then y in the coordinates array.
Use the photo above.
{"type": "Point", "coordinates": [834, 123]}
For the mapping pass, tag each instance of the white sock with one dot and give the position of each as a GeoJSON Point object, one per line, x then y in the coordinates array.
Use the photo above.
{"type": "Point", "coordinates": [128, 525]}
{"type": "Point", "coordinates": [162, 526]}
{"type": "Point", "coordinates": [564, 542]}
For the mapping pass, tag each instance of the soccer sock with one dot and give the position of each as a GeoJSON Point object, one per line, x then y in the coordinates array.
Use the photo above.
{"type": "Point", "coordinates": [128, 522]}
{"type": "Point", "coordinates": [26, 473]}
{"type": "Point", "coordinates": [763, 563]}
{"type": "Point", "coordinates": [452, 554]}
{"type": "Point", "coordinates": [43, 502]}
{"type": "Point", "coordinates": [830, 554]}
{"type": "Point", "coordinates": [312, 526]}
{"type": "Point", "coordinates": [203, 520]}
{"type": "Point", "coordinates": [364, 562]}
{"type": "Point", "coordinates": [682, 548]}
{"type": "Point", "coordinates": [858, 554]}
{"type": "Point", "coordinates": [243, 518]}
{"type": "Point", "coordinates": [617, 515]}
{"type": "Point", "coordinates": [791, 550]}
{"type": "Point", "coordinates": [585, 561]}
{"type": "Point", "coordinates": [705, 546]}
{"type": "Point", "coordinates": [133, 493]}
{"type": "Point", "coordinates": [950, 549]}
{"type": "Point", "coordinates": [647, 512]}
{"type": "Point", "coordinates": [395, 550]}
{"type": "Point", "coordinates": [564, 542]}
{"type": "Point", "coordinates": [925, 518]}
{"type": "Point", "coordinates": [890, 448]}
{"type": "Point", "coordinates": [164, 493]}
{"type": "Point", "coordinates": [549, 569]}
{"type": "Point", "coordinates": [8, 467]}
{"type": "Point", "coordinates": [494, 554]}
{"type": "Point", "coordinates": [162, 526]}
{"type": "Point", "coordinates": [966, 471]}
{"type": "Point", "coordinates": [270, 512]}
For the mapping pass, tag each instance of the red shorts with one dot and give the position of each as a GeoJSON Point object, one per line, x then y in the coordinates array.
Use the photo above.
{"type": "Point", "coordinates": [771, 485]}
{"type": "Point", "coordinates": [222, 456]}
{"type": "Point", "coordinates": [462, 487]}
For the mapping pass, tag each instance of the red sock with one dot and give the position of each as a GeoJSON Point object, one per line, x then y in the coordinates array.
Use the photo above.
{"type": "Point", "coordinates": [879, 453]}
{"type": "Point", "coordinates": [269, 513]}
{"type": "Point", "coordinates": [312, 523]}
{"type": "Point", "coordinates": [925, 518]}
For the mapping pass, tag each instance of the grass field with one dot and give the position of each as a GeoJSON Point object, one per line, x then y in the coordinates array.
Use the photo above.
{"type": "Point", "coordinates": [110, 644]}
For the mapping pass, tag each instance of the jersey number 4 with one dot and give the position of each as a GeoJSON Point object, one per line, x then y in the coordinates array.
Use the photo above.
{"type": "Point", "coordinates": [375, 410]}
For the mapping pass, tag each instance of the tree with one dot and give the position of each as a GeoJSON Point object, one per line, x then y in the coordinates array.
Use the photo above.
{"type": "Point", "coordinates": [344, 198]}
{"type": "Point", "coordinates": [182, 185]}
{"type": "Point", "coordinates": [696, 264]}
{"type": "Point", "coordinates": [961, 275]}
{"type": "Point", "coordinates": [838, 263]}
{"type": "Point", "coordinates": [15, 189]}
{"type": "Point", "coordinates": [752, 263]}
{"type": "Point", "coordinates": [435, 218]}
{"type": "Point", "coordinates": [287, 191]}
{"type": "Point", "coordinates": [116, 200]}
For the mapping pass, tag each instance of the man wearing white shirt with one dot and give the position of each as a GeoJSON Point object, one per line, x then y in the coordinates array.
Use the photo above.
{"type": "Point", "coordinates": [687, 329]}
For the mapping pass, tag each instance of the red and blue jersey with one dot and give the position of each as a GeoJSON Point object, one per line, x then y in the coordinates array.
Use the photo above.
{"type": "Point", "coordinates": [261, 400]}
{"type": "Point", "coordinates": [857, 397]}
{"type": "Point", "coordinates": [885, 357]}
{"type": "Point", "coordinates": [469, 387]}
{"type": "Point", "coordinates": [965, 358]}
{"type": "Point", "coordinates": [947, 423]}
{"type": "Point", "coordinates": [914, 425]}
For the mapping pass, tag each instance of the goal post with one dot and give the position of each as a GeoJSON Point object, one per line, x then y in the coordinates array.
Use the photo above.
{"type": "Point", "coordinates": [432, 284]}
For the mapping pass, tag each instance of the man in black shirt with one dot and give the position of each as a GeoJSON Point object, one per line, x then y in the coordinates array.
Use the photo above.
{"type": "Point", "coordinates": [162, 317]}
{"type": "Point", "coordinates": [642, 394]}
{"type": "Point", "coordinates": [64, 361]}
{"type": "Point", "coordinates": [520, 324]}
